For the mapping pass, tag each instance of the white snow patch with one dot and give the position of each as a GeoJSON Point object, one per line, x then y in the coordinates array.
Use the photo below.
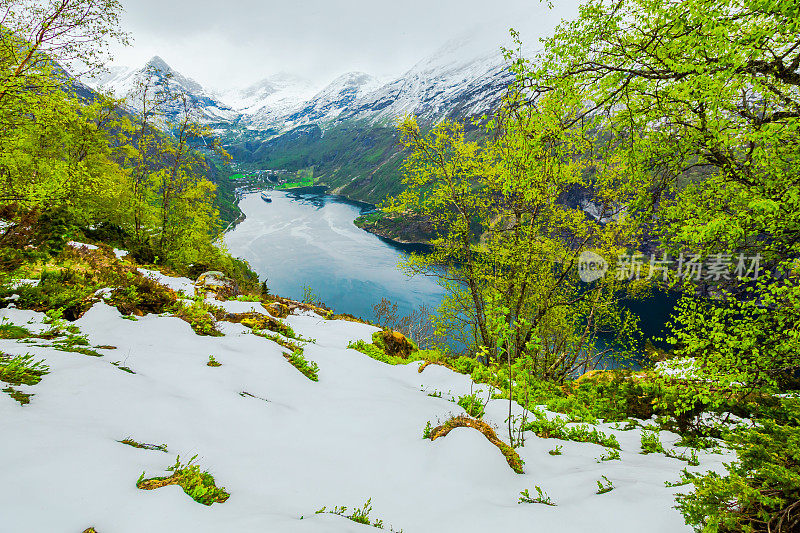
{"type": "Point", "coordinates": [79, 245]}
{"type": "Point", "coordinates": [184, 285]}
{"type": "Point", "coordinates": [354, 435]}
{"type": "Point", "coordinates": [17, 283]}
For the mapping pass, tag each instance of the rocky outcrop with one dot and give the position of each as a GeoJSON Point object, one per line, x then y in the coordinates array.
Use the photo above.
{"type": "Point", "coordinates": [217, 283]}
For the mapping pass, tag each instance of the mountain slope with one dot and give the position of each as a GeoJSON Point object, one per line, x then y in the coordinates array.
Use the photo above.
{"type": "Point", "coordinates": [284, 446]}
{"type": "Point", "coordinates": [123, 83]}
{"type": "Point", "coordinates": [347, 132]}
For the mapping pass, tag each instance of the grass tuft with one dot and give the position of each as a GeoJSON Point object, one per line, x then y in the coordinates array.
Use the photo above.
{"type": "Point", "coordinates": [143, 445]}
{"type": "Point", "coordinates": [199, 485]}
{"type": "Point", "coordinates": [21, 369]}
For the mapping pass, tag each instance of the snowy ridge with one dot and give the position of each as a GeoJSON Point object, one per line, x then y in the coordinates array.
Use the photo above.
{"type": "Point", "coordinates": [325, 106]}
{"type": "Point", "coordinates": [445, 84]}
{"type": "Point", "coordinates": [122, 83]}
{"type": "Point", "coordinates": [459, 80]}
{"type": "Point", "coordinates": [276, 95]}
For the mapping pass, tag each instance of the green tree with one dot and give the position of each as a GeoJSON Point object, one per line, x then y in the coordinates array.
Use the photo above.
{"type": "Point", "coordinates": [52, 147]}
{"type": "Point", "coordinates": [707, 96]}
{"type": "Point", "coordinates": [509, 240]}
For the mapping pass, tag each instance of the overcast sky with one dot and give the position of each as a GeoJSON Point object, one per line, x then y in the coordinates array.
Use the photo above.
{"type": "Point", "coordinates": [230, 43]}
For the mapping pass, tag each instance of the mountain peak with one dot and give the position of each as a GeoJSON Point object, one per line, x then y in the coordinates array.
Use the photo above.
{"type": "Point", "coordinates": [158, 63]}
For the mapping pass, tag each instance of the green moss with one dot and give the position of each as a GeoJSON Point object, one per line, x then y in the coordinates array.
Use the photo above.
{"type": "Point", "coordinates": [143, 445]}
{"type": "Point", "coordinates": [199, 485]}
{"type": "Point", "coordinates": [11, 331]}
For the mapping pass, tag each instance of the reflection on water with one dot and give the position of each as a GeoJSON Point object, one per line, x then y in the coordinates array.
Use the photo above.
{"type": "Point", "coordinates": [305, 239]}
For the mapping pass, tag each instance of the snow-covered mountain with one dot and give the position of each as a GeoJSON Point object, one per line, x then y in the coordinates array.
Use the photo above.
{"type": "Point", "coordinates": [449, 83]}
{"type": "Point", "coordinates": [279, 93]}
{"type": "Point", "coordinates": [443, 85]}
{"type": "Point", "coordinates": [323, 106]}
{"type": "Point", "coordinates": [123, 82]}
{"type": "Point", "coordinates": [446, 84]}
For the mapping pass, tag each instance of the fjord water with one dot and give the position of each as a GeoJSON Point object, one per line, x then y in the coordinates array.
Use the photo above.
{"type": "Point", "coordinates": [310, 240]}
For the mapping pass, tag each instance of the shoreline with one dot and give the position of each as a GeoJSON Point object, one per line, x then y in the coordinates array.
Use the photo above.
{"type": "Point", "coordinates": [407, 245]}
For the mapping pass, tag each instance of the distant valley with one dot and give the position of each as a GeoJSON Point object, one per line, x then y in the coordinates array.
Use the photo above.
{"type": "Point", "coordinates": [345, 132]}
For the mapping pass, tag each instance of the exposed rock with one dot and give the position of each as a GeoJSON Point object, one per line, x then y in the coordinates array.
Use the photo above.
{"type": "Point", "coordinates": [278, 310]}
{"type": "Point", "coordinates": [260, 322]}
{"type": "Point", "coordinates": [396, 344]}
{"type": "Point", "coordinates": [217, 283]}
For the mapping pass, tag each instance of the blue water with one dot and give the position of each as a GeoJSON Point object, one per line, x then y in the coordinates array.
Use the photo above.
{"type": "Point", "coordinates": [310, 240]}
{"type": "Point", "coordinates": [301, 240]}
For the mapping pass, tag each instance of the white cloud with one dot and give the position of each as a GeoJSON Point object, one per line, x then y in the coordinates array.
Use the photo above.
{"type": "Point", "coordinates": [224, 44]}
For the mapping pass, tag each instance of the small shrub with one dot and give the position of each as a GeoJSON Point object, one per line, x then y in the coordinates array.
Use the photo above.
{"type": "Point", "coordinates": [698, 442]}
{"type": "Point", "coordinates": [360, 516]}
{"type": "Point", "coordinates": [610, 455]}
{"type": "Point", "coordinates": [309, 369]}
{"type": "Point", "coordinates": [761, 489]}
{"type": "Point", "coordinates": [68, 291]}
{"type": "Point", "coordinates": [135, 293]}
{"type": "Point", "coordinates": [310, 297]}
{"type": "Point", "coordinates": [557, 429]}
{"type": "Point", "coordinates": [603, 487]}
{"type": "Point", "coordinates": [691, 458]}
{"type": "Point", "coordinates": [556, 450]}
{"type": "Point", "coordinates": [650, 442]}
{"type": "Point", "coordinates": [76, 343]}
{"type": "Point", "coordinates": [472, 405]}
{"type": "Point", "coordinates": [21, 369]}
{"type": "Point", "coordinates": [426, 433]}
{"type": "Point", "coordinates": [201, 316]}
{"type": "Point", "coordinates": [10, 331]}
{"type": "Point", "coordinates": [247, 298]}
{"type": "Point", "coordinates": [542, 497]}
{"type": "Point", "coordinates": [213, 362]}
{"type": "Point", "coordinates": [374, 352]}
